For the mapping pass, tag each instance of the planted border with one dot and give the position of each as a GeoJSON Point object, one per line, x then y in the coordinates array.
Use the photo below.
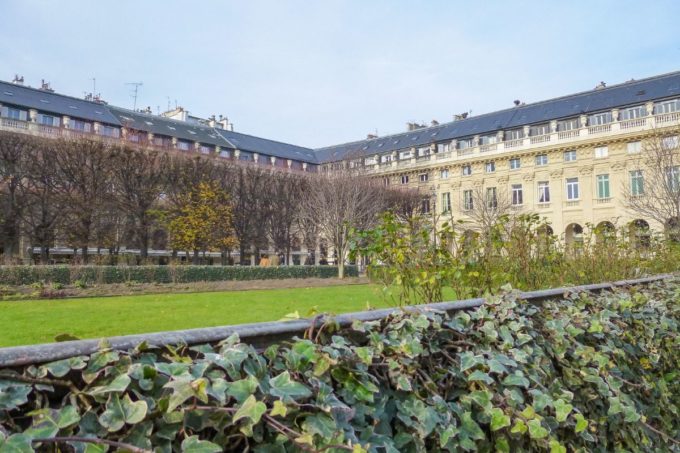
{"type": "Point", "coordinates": [584, 373]}
{"type": "Point", "coordinates": [67, 275]}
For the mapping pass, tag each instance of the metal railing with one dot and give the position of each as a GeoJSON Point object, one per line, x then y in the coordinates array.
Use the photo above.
{"type": "Point", "coordinates": [261, 335]}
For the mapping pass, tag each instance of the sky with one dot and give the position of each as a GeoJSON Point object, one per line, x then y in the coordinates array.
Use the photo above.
{"type": "Point", "coordinates": [320, 73]}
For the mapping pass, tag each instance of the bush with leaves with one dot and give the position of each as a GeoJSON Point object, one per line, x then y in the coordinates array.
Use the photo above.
{"type": "Point", "coordinates": [584, 373]}
{"type": "Point", "coordinates": [421, 259]}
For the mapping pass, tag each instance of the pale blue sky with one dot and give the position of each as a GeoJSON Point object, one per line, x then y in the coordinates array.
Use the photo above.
{"type": "Point", "coordinates": [318, 73]}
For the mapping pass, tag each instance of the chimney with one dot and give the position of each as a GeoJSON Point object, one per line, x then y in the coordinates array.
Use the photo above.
{"type": "Point", "coordinates": [517, 102]}
{"type": "Point", "coordinates": [434, 123]}
{"type": "Point", "coordinates": [371, 136]}
{"type": "Point", "coordinates": [460, 116]}
{"type": "Point", "coordinates": [18, 80]}
{"type": "Point", "coordinates": [211, 121]}
{"type": "Point", "coordinates": [226, 125]}
{"type": "Point", "coordinates": [45, 86]}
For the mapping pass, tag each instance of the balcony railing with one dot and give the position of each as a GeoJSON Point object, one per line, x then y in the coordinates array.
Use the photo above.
{"type": "Point", "coordinates": [604, 200]}
{"type": "Point", "coordinates": [667, 117]}
{"type": "Point", "coordinates": [488, 148]}
{"type": "Point", "coordinates": [635, 122]}
{"type": "Point", "coordinates": [600, 129]}
{"type": "Point", "coordinates": [564, 135]}
{"type": "Point", "coordinates": [572, 204]}
{"type": "Point", "coordinates": [539, 139]}
{"type": "Point", "coordinates": [514, 143]}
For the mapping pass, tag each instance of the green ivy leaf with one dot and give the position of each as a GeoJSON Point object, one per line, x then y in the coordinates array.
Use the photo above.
{"type": "Point", "coordinates": [279, 409]}
{"type": "Point", "coordinates": [242, 389]}
{"type": "Point", "coordinates": [581, 423]}
{"type": "Point", "coordinates": [536, 431]}
{"type": "Point", "coordinates": [562, 410]}
{"type": "Point", "coordinates": [365, 354]}
{"type": "Point", "coordinates": [469, 428]}
{"type": "Point", "coordinates": [16, 443]}
{"type": "Point", "coordinates": [251, 409]}
{"type": "Point", "coordinates": [13, 395]}
{"type": "Point", "coordinates": [119, 412]}
{"type": "Point", "coordinates": [192, 444]}
{"type": "Point", "coordinates": [498, 419]}
{"type": "Point", "coordinates": [556, 447]}
{"type": "Point", "coordinates": [516, 380]}
{"type": "Point", "coordinates": [284, 387]}
{"type": "Point", "coordinates": [519, 427]}
{"type": "Point", "coordinates": [118, 385]}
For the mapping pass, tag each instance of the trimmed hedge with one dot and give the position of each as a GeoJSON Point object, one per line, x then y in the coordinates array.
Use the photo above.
{"type": "Point", "coordinates": [66, 275]}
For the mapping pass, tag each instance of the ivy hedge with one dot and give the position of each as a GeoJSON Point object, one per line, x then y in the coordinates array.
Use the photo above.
{"type": "Point", "coordinates": [66, 275]}
{"type": "Point", "coordinates": [585, 373]}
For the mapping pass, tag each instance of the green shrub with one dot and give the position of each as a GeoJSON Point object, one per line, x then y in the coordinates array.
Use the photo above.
{"type": "Point", "coordinates": [67, 275]}
{"type": "Point", "coordinates": [586, 373]}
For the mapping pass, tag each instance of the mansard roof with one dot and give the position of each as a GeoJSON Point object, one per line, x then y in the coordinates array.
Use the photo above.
{"type": "Point", "coordinates": [634, 92]}
{"type": "Point", "coordinates": [47, 101]}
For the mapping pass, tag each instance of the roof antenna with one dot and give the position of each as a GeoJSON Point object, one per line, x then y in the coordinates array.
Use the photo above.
{"type": "Point", "coordinates": [136, 86]}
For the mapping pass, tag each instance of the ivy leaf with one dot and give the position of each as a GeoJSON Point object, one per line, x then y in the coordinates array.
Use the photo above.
{"type": "Point", "coordinates": [283, 387]}
{"type": "Point", "coordinates": [242, 389]}
{"type": "Point", "coordinates": [250, 409]}
{"type": "Point", "coordinates": [581, 423]}
{"type": "Point", "coordinates": [13, 395]}
{"type": "Point", "coordinates": [498, 419]}
{"type": "Point", "coordinates": [404, 383]}
{"type": "Point", "coordinates": [118, 385]}
{"type": "Point", "coordinates": [562, 410]}
{"type": "Point", "coordinates": [615, 406]}
{"type": "Point", "coordinates": [556, 447]}
{"type": "Point", "coordinates": [16, 443]}
{"type": "Point", "coordinates": [60, 368]}
{"type": "Point", "coordinates": [516, 380]}
{"type": "Point", "coordinates": [470, 428]}
{"type": "Point", "coordinates": [365, 354]}
{"type": "Point", "coordinates": [479, 375]}
{"type": "Point", "coordinates": [519, 427]}
{"type": "Point", "coordinates": [119, 412]}
{"type": "Point", "coordinates": [279, 409]}
{"type": "Point", "coordinates": [192, 444]}
{"type": "Point", "coordinates": [536, 431]}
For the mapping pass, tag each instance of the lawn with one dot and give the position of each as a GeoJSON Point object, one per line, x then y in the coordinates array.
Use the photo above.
{"type": "Point", "coordinates": [39, 321]}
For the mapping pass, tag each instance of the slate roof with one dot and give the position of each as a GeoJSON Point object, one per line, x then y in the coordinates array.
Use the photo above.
{"type": "Point", "coordinates": [268, 147]}
{"type": "Point", "coordinates": [587, 102]}
{"type": "Point", "coordinates": [625, 94]}
{"type": "Point", "coordinates": [159, 125]}
{"type": "Point", "coordinates": [55, 103]}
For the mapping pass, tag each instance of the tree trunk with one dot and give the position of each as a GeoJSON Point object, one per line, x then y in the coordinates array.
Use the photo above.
{"type": "Point", "coordinates": [196, 257]}
{"type": "Point", "coordinates": [341, 268]}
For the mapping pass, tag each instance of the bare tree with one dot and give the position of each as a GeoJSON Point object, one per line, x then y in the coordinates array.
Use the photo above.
{"type": "Point", "coordinates": [138, 181]}
{"type": "Point", "coordinates": [42, 203]}
{"type": "Point", "coordinates": [14, 150]}
{"type": "Point", "coordinates": [285, 198]}
{"type": "Point", "coordinates": [652, 189]}
{"type": "Point", "coordinates": [340, 202]}
{"type": "Point", "coordinates": [489, 205]}
{"type": "Point", "coordinates": [84, 169]}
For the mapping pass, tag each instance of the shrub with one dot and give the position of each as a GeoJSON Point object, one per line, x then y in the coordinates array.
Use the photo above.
{"type": "Point", "coordinates": [65, 275]}
{"type": "Point", "coordinates": [582, 374]}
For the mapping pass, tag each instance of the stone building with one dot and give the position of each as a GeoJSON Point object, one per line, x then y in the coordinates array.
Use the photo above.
{"type": "Point", "coordinates": [569, 159]}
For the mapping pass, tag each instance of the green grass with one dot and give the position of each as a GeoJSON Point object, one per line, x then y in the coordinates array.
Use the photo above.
{"type": "Point", "coordinates": [39, 321]}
